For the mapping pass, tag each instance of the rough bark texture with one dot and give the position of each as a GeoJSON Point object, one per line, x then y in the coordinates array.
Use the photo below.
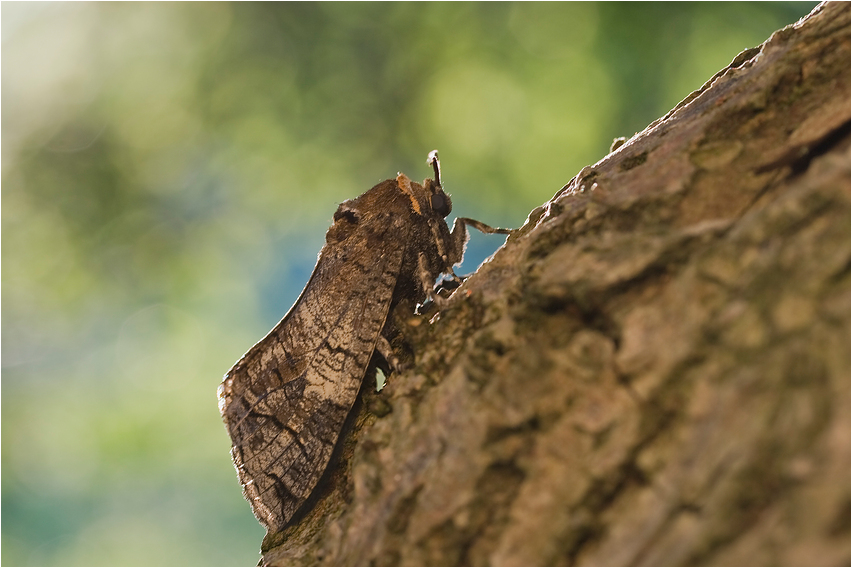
{"type": "Point", "coordinates": [654, 370]}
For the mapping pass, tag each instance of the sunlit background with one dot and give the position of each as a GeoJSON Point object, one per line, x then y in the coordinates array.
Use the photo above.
{"type": "Point", "coordinates": [168, 174]}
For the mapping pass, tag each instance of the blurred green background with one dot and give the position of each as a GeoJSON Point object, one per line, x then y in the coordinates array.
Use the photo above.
{"type": "Point", "coordinates": [168, 174]}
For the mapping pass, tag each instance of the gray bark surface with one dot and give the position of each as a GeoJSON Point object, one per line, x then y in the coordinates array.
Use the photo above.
{"type": "Point", "coordinates": [654, 370]}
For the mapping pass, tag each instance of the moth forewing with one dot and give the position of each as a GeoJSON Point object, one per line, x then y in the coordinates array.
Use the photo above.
{"type": "Point", "coordinates": [286, 400]}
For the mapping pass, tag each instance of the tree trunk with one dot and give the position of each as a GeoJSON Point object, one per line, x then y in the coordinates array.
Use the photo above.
{"type": "Point", "coordinates": [654, 370]}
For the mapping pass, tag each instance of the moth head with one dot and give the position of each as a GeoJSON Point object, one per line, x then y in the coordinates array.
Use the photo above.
{"type": "Point", "coordinates": [439, 201]}
{"type": "Point", "coordinates": [428, 199]}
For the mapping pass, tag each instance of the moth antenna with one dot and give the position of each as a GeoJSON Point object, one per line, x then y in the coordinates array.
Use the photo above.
{"type": "Point", "coordinates": [433, 161]}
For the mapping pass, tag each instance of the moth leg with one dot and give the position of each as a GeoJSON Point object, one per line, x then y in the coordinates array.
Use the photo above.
{"type": "Point", "coordinates": [481, 227]}
{"type": "Point", "coordinates": [384, 348]}
{"type": "Point", "coordinates": [459, 236]}
{"type": "Point", "coordinates": [428, 282]}
{"type": "Point", "coordinates": [446, 286]}
{"type": "Point", "coordinates": [451, 254]}
{"type": "Point", "coordinates": [454, 281]}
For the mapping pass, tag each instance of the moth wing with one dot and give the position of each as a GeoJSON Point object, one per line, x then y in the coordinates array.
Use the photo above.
{"type": "Point", "coordinates": [285, 401]}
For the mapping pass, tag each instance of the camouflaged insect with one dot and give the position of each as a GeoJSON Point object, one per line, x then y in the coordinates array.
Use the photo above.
{"type": "Point", "coordinates": [285, 402]}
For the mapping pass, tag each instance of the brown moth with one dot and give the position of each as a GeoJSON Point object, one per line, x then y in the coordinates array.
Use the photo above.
{"type": "Point", "coordinates": [285, 402]}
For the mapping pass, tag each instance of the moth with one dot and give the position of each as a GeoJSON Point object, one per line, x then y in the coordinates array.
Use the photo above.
{"type": "Point", "coordinates": [285, 402]}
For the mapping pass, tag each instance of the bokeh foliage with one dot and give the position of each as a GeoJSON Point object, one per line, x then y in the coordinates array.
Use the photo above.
{"type": "Point", "coordinates": [168, 173]}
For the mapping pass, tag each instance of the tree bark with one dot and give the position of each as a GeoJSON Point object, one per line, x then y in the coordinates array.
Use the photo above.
{"type": "Point", "coordinates": [654, 370]}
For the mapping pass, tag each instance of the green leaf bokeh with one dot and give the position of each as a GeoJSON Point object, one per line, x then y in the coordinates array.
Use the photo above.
{"type": "Point", "coordinates": [168, 173]}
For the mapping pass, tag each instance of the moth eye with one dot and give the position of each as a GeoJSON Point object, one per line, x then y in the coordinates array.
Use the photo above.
{"type": "Point", "coordinates": [348, 215]}
{"type": "Point", "coordinates": [441, 204]}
